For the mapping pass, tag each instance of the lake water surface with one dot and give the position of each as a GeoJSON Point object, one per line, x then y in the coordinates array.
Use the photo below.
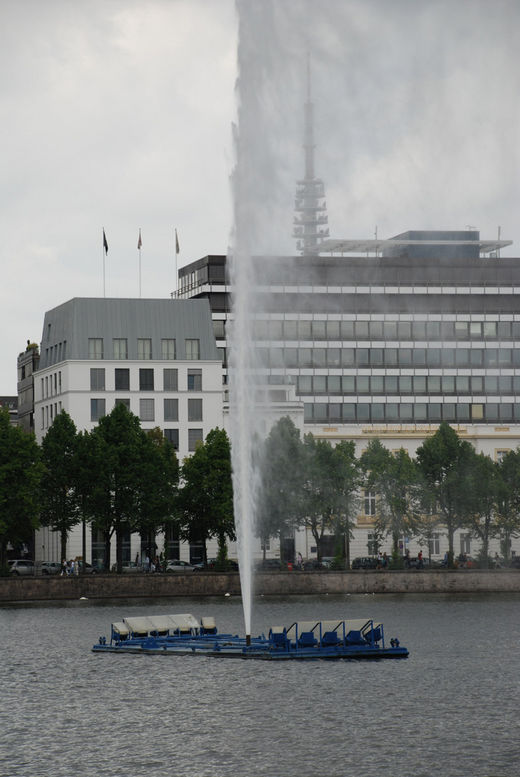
{"type": "Point", "coordinates": [451, 709]}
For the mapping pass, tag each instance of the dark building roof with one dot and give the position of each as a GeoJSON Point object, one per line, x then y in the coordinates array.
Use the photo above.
{"type": "Point", "coordinates": [68, 327]}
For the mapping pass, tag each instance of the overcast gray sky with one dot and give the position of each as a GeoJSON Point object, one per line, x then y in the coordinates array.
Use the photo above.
{"type": "Point", "coordinates": [118, 114]}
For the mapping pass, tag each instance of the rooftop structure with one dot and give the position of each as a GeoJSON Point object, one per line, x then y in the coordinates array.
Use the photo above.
{"type": "Point", "coordinates": [310, 221]}
{"type": "Point", "coordinates": [419, 244]}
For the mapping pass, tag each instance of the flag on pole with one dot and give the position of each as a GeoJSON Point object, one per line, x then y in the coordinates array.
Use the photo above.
{"type": "Point", "coordinates": [105, 243]}
{"type": "Point", "coordinates": [139, 242]}
{"type": "Point", "coordinates": [177, 249]}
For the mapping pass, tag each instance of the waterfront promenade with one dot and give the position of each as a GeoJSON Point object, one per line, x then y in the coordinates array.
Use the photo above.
{"type": "Point", "coordinates": [112, 586]}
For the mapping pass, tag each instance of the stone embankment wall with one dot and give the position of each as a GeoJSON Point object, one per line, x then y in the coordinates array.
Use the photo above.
{"type": "Point", "coordinates": [270, 584]}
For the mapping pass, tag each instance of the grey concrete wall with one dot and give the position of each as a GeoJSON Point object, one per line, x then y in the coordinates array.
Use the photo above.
{"type": "Point", "coordinates": [276, 584]}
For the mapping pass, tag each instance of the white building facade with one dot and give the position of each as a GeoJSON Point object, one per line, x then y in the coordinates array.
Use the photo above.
{"type": "Point", "coordinates": [158, 357]}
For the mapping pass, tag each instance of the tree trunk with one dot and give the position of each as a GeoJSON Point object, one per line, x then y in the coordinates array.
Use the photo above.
{"type": "Point", "coordinates": [63, 543]}
{"type": "Point", "coordinates": [485, 548]}
{"type": "Point", "coordinates": [317, 539]}
{"type": "Point", "coordinates": [3, 554]}
{"type": "Point", "coordinates": [119, 549]}
{"type": "Point", "coordinates": [451, 554]}
{"type": "Point", "coordinates": [106, 560]}
{"type": "Point", "coordinates": [505, 546]}
{"type": "Point", "coordinates": [395, 544]}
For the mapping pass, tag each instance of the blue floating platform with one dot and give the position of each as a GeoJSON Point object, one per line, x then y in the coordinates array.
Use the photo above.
{"type": "Point", "coordinates": [183, 634]}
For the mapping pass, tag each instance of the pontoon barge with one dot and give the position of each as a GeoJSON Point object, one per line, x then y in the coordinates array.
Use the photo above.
{"type": "Point", "coordinates": [302, 640]}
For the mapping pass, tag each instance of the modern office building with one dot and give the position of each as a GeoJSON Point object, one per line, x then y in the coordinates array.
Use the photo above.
{"type": "Point", "coordinates": [156, 356]}
{"type": "Point", "coordinates": [405, 337]}
{"type": "Point", "coordinates": [387, 338]}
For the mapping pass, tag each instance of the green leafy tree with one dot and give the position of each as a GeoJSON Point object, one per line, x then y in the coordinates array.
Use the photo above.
{"type": "Point", "coordinates": [205, 500]}
{"type": "Point", "coordinates": [329, 481]}
{"type": "Point", "coordinates": [443, 461]}
{"type": "Point", "coordinates": [94, 505]}
{"type": "Point", "coordinates": [115, 458]}
{"type": "Point", "coordinates": [508, 501]}
{"type": "Point", "coordinates": [318, 489]}
{"type": "Point", "coordinates": [483, 490]}
{"type": "Point", "coordinates": [159, 480]}
{"type": "Point", "coordinates": [59, 493]}
{"type": "Point", "coordinates": [348, 480]}
{"type": "Point", "coordinates": [393, 477]}
{"type": "Point", "coordinates": [280, 494]}
{"type": "Point", "coordinates": [426, 523]}
{"type": "Point", "coordinates": [20, 474]}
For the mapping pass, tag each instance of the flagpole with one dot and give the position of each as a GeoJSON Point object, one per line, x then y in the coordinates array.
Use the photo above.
{"type": "Point", "coordinates": [176, 254]}
{"type": "Point", "coordinates": [104, 250]}
{"type": "Point", "coordinates": [139, 245]}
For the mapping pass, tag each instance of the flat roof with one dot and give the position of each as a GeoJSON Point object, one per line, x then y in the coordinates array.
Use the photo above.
{"type": "Point", "coordinates": [376, 246]}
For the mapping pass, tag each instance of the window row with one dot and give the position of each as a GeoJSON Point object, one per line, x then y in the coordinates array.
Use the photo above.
{"type": "Point", "coordinates": [195, 436]}
{"type": "Point", "coordinates": [382, 330]}
{"type": "Point", "coordinates": [388, 357]}
{"type": "Point", "coordinates": [51, 385]}
{"type": "Point", "coordinates": [96, 348]}
{"type": "Point", "coordinates": [408, 412]}
{"type": "Point", "coordinates": [170, 379]}
{"type": "Point", "coordinates": [49, 413]}
{"type": "Point", "coordinates": [408, 384]}
{"type": "Point", "coordinates": [147, 409]}
{"type": "Point", "coordinates": [56, 353]}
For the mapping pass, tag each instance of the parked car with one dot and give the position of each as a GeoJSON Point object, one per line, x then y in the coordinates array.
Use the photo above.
{"type": "Point", "coordinates": [50, 568]}
{"type": "Point", "coordinates": [311, 564]}
{"type": "Point", "coordinates": [268, 564]}
{"type": "Point", "coordinates": [87, 569]}
{"type": "Point", "coordinates": [131, 568]}
{"type": "Point", "coordinates": [328, 561]}
{"type": "Point", "coordinates": [212, 563]}
{"type": "Point", "coordinates": [515, 562]}
{"type": "Point", "coordinates": [22, 566]}
{"type": "Point", "coordinates": [365, 562]}
{"type": "Point", "coordinates": [175, 565]}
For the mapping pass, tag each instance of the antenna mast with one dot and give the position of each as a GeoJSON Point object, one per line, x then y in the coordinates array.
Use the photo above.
{"type": "Point", "coordinates": [310, 220]}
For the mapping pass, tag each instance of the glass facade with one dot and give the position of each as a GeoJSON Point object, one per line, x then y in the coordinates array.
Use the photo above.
{"type": "Point", "coordinates": [322, 329]}
{"type": "Point", "coordinates": [418, 334]}
{"type": "Point", "coordinates": [412, 412]}
{"type": "Point", "coordinates": [398, 371]}
{"type": "Point", "coordinates": [427, 357]}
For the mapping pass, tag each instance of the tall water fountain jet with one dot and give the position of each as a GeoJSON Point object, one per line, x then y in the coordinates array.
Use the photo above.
{"type": "Point", "coordinates": [273, 43]}
{"type": "Point", "coordinates": [242, 423]}
{"type": "Point", "coordinates": [261, 219]}
{"type": "Point", "coordinates": [253, 182]}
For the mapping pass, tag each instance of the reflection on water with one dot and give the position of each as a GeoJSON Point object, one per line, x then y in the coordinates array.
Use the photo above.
{"type": "Point", "coordinates": [450, 709]}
